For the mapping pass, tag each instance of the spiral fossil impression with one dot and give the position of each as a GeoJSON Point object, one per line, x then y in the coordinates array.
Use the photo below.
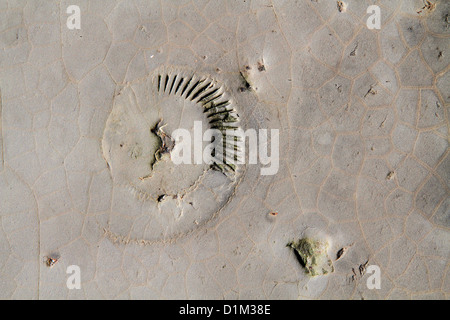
{"type": "Point", "coordinates": [138, 142]}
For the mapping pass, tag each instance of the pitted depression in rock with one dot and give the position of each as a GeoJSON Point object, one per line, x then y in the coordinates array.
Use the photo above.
{"type": "Point", "coordinates": [138, 145]}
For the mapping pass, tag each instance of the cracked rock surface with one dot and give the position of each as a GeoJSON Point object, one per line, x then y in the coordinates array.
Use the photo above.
{"type": "Point", "coordinates": [363, 124]}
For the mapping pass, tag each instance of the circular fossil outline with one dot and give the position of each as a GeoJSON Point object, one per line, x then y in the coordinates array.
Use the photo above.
{"type": "Point", "coordinates": [218, 107]}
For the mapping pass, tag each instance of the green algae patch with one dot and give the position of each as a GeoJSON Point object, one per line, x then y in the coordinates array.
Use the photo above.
{"type": "Point", "coordinates": [312, 255]}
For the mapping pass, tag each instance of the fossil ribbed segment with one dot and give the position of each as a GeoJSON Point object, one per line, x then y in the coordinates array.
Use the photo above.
{"type": "Point", "coordinates": [216, 104]}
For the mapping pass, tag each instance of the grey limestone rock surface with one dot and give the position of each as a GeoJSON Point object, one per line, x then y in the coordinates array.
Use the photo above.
{"type": "Point", "coordinates": [87, 117]}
